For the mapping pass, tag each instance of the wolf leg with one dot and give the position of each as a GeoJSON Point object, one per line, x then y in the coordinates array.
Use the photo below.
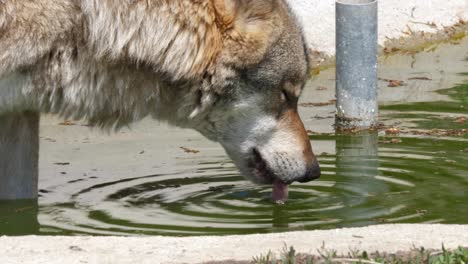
{"type": "Point", "coordinates": [19, 153]}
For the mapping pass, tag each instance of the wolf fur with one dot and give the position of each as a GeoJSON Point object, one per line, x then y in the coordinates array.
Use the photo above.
{"type": "Point", "coordinates": [231, 69]}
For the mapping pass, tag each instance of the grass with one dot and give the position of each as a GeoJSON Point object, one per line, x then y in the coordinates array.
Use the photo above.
{"type": "Point", "coordinates": [324, 256]}
{"type": "Point", "coordinates": [288, 256]}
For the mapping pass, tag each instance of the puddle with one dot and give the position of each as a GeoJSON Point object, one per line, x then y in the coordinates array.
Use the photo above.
{"type": "Point", "coordinates": [154, 179]}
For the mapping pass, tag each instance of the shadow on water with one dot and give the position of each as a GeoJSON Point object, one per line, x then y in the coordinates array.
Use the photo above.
{"type": "Point", "coordinates": [413, 170]}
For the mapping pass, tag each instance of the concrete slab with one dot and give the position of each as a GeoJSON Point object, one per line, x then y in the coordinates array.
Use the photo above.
{"type": "Point", "coordinates": [158, 249]}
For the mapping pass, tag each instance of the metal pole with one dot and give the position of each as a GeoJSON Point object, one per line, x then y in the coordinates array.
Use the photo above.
{"type": "Point", "coordinates": [19, 155]}
{"type": "Point", "coordinates": [356, 64]}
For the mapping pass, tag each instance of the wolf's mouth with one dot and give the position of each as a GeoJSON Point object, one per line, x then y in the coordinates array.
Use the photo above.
{"type": "Point", "coordinates": [264, 175]}
{"type": "Point", "coordinates": [260, 168]}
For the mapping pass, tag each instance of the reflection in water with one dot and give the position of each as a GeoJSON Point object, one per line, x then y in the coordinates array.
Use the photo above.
{"type": "Point", "coordinates": [280, 217]}
{"type": "Point", "coordinates": [357, 160]}
{"type": "Point", "coordinates": [357, 164]}
{"type": "Point", "coordinates": [19, 217]}
{"type": "Point", "coordinates": [366, 182]}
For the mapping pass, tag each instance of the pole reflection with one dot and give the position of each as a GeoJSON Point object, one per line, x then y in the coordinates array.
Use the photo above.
{"type": "Point", "coordinates": [18, 218]}
{"type": "Point", "coordinates": [357, 165]}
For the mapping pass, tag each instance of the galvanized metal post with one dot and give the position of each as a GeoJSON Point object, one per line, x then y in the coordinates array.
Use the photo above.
{"type": "Point", "coordinates": [19, 155]}
{"type": "Point", "coordinates": [356, 64]}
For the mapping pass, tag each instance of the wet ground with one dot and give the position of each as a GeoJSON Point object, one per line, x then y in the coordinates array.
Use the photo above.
{"type": "Point", "coordinates": [155, 179]}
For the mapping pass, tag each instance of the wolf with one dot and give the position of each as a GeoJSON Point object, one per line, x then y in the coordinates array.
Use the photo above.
{"type": "Point", "coordinates": [231, 69]}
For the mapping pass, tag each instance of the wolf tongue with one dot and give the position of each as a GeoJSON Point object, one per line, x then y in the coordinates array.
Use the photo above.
{"type": "Point", "coordinates": [280, 191]}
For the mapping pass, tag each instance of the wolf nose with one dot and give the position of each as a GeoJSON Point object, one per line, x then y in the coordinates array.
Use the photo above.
{"type": "Point", "coordinates": [312, 173]}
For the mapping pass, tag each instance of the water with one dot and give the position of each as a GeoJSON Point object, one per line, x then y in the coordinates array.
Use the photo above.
{"type": "Point", "coordinates": [136, 182]}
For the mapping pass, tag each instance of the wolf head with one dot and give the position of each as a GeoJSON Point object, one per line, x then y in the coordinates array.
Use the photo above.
{"type": "Point", "coordinates": [252, 93]}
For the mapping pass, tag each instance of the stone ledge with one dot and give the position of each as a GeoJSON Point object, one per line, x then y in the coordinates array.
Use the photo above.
{"type": "Point", "coordinates": [160, 249]}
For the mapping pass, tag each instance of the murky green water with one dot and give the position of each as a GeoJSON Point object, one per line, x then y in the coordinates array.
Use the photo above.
{"type": "Point", "coordinates": [413, 170]}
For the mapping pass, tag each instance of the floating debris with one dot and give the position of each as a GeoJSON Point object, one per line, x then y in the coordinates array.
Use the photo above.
{"type": "Point", "coordinates": [314, 133]}
{"type": "Point", "coordinates": [77, 180]}
{"type": "Point", "coordinates": [62, 163]}
{"type": "Point", "coordinates": [460, 120]}
{"type": "Point", "coordinates": [67, 123]}
{"type": "Point", "coordinates": [310, 104]}
{"type": "Point", "coordinates": [420, 78]}
{"type": "Point", "coordinates": [440, 132]}
{"type": "Point", "coordinates": [393, 83]}
{"type": "Point", "coordinates": [390, 50]}
{"type": "Point", "coordinates": [187, 150]}
{"type": "Point", "coordinates": [392, 131]}
{"type": "Point", "coordinates": [322, 117]}
{"type": "Point", "coordinates": [392, 141]}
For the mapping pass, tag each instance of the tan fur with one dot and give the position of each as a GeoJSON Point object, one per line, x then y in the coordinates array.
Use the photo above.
{"type": "Point", "coordinates": [291, 121]}
{"type": "Point", "coordinates": [175, 37]}
{"type": "Point", "coordinates": [73, 49]}
{"type": "Point", "coordinates": [247, 27]}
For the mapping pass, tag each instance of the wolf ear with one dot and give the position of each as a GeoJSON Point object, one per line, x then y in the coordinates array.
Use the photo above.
{"type": "Point", "coordinates": [247, 27]}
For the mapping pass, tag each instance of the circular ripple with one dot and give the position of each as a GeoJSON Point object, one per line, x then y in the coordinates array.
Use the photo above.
{"type": "Point", "coordinates": [409, 182]}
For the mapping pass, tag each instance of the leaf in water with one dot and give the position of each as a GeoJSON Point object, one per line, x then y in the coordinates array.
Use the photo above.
{"type": "Point", "coordinates": [392, 131]}
{"type": "Point", "coordinates": [62, 163]}
{"type": "Point", "coordinates": [187, 150]}
{"type": "Point", "coordinates": [460, 120]}
{"type": "Point", "coordinates": [67, 123]}
{"type": "Point", "coordinates": [392, 141]}
{"type": "Point", "coordinates": [420, 78]}
{"type": "Point", "coordinates": [395, 83]}
{"type": "Point", "coordinates": [310, 104]}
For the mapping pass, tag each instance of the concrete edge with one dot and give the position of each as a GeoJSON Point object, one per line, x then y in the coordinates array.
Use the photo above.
{"type": "Point", "coordinates": [398, 20]}
{"type": "Point", "coordinates": [411, 42]}
{"type": "Point", "coordinates": [389, 238]}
